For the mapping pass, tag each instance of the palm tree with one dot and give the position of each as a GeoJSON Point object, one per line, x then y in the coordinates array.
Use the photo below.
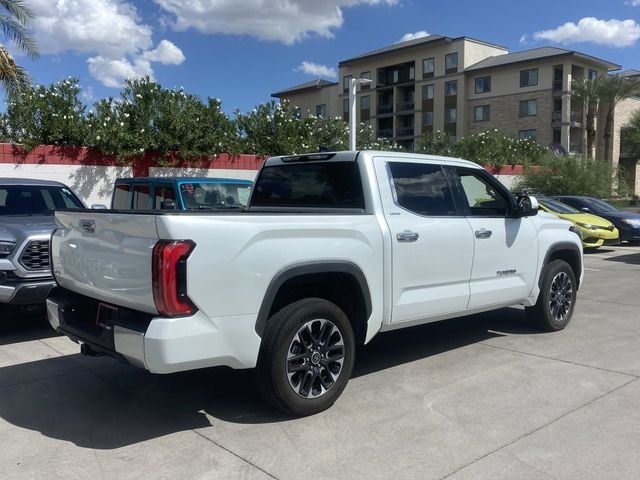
{"type": "Point", "coordinates": [611, 91]}
{"type": "Point", "coordinates": [15, 20]}
{"type": "Point", "coordinates": [588, 90]}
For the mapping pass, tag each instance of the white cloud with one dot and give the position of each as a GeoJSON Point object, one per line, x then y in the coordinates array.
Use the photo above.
{"type": "Point", "coordinates": [317, 70]}
{"type": "Point", "coordinates": [633, 3]}
{"type": "Point", "coordinates": [111, 31]}
{"type": "Point", "coordinates": [614, 33]}
{"type": "Point", "coordinates": [412, 36]}
{"type": "Point", "coordinates": [285, 21]}
{"type": "Point", "coordinates": [524, 40]}
{"type": "Point", "coordinates": [166, 53]}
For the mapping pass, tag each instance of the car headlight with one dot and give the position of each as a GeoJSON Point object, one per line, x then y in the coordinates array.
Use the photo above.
{"type": "Point", "coordinates": [576, 230]}
{"type": "Point", "coordinates": [632, 222]}
{"type": "Point", "coordinates": [6, 248]}
{"type": "Point", "coordinates": [588, 226]}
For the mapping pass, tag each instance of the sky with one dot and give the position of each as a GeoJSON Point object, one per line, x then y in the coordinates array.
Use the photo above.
{"type": "Point", "coordinates": [241, 51]}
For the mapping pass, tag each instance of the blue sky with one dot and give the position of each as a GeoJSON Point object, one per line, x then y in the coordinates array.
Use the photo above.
{"type": "Point", "coordinates": [243, 50]}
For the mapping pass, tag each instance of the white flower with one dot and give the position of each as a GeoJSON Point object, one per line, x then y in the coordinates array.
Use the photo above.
{"type": "Point", "coordinates": [126, 115]}
{"type": "Point", "coordinates": [41, 95]}
{"type": "Point", "coordinates": [97, 137]}
{"type": "Point", "coordinates": [142, 131]}
{"type": "Point", "coordinates": [138, 95]}
{"type": "Point", "coordinates": [122, 124]}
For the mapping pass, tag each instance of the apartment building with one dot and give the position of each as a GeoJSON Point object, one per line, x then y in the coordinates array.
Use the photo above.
{"type": "Point", "coordinates": [460, 86]}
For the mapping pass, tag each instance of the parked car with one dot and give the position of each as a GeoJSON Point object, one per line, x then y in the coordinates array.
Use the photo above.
{"type": "Point", "coordinates": [333, 249]}
{"type": "Point", "coordinates": [26, 223]}
{"type": "Point", "coordinates": [627, 223]}
{"type": "Point", "coordinates": [182, 193]}
{"type": "Point", "coordinates": [595, 231]}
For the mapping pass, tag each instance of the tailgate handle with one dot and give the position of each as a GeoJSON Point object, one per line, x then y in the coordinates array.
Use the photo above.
{"type": "Point", "coordinates": [88, 225]}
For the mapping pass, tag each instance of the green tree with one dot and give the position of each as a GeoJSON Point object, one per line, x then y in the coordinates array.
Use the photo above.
{"type": "Point", "coordinates": [588, 91]}
{"type": "Point", "coordinates": [630, 137]}
{"type": "Point", "coordinates": [611, 91]}
{"type": "Point", "coordinates": [40, 115]}
{"type": "Point", "coordinates": [15, 21]}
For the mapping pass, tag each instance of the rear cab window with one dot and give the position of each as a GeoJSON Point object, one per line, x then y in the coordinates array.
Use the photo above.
{"type": "Point", "coordinates": [329, 184]}
{"type": "Point", "coordinates": [141, 197]}
{"type": "Point", "coordinates": [121, 197]}
{"type": "Point", "coordinates": [165, 197]}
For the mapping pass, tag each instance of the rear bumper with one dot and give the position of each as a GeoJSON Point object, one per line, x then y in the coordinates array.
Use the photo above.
{"type": "Point", "coordinates": [28, 293]}
{"type": "Point", "coordinates": [157, 344]}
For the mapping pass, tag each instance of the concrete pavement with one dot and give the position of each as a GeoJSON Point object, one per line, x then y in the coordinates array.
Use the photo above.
{"type": "Point", "coordinates": [478, 397]}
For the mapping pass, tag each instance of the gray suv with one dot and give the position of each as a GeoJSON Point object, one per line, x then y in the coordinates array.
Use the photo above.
{"type": "Point", "coordinates": [26, 223]}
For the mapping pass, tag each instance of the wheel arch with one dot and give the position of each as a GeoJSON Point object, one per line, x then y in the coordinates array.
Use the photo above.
{"type": "Point", "coordinates": [340, 282]}
{"type": "Point", "coordinates": [569, 252]}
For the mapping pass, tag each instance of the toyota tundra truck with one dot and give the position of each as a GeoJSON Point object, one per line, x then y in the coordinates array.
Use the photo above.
{"type": "Point", "coordinates": [332, 249]}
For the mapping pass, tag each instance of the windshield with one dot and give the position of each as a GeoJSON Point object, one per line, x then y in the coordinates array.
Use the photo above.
{"type": "Point", "coordinates": [556, 207]}
{"type": "Point", "coordinates": [599, 206]}
{"type": "Point", "coordinates": [35, 199]}
{"type": "Point", "coordinates": [215, 195]}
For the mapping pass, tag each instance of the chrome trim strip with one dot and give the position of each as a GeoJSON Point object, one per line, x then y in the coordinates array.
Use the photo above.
{"type": "Point", "coordinates": [52, 314]}
{"type": "Point", "coordinates": [6, 293]}
{"type": "Point", "coordinates": [130, 344]}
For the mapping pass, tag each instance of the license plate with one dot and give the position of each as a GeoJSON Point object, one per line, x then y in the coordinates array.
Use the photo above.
{"type": "Point", "coordinates": [106, 316]}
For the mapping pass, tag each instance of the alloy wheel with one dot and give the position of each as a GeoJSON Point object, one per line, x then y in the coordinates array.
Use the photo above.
{"type": "Point", "coordinates": [560, 296]}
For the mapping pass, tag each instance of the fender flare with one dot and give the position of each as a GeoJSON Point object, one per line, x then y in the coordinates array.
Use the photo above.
{"type": "Point", "coordinates": [556, 247]}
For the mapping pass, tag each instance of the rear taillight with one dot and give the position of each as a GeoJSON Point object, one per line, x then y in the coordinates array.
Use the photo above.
{"type": "Point", "coordinates": [169, 270]}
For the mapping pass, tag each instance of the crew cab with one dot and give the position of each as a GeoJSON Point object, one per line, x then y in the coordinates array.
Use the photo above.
{"type": "Point", "coordinates": [182, 193]}
{"type": "Point", "coordinates": [26, 223]}
{"type": "Point", "coordinates": [333, 249]}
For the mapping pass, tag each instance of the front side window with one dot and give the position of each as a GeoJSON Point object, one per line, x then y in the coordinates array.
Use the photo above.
{"type": "Point", "coordinates": [428, 67]}
{"type": "Point", "coordinates": [483, 84]}
{"type": "Point", "coordinates": [451, 88]}
{"type": "Point", "coordinates": [481, 113]}
{"type": "Point", "coordinates": [310, 185]}
{"type": "Point", "coordinates": [422, 189]}
{"type": "Point", "coordinates": [529, 78]}
{"type": "Point", "coordinates": [482, 198]}
{"type": "Point", "coordinates": [35, 200]}
{"type": "Point", "coordinates": [451, 62]}
{"type": "Point", "coordinates": [528, 108]}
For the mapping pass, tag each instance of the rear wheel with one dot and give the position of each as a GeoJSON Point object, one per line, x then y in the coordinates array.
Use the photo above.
{"type": "Point", "coordinates": [306, 357]}
{"type": "Point", "coordinates": [557, 298]}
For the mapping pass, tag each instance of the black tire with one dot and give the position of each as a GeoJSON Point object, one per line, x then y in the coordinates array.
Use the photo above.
{"type": "Point", "coordinates": [557, 298]}
{"type": "Point", "coordinates": [294, 340]}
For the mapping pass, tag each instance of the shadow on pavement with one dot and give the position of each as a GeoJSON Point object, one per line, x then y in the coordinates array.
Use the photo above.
{"type": "Point", "coordinates": [18, 325]}
{"type": "Point", "coordinates": [117, 405]}
{"type": "Point", "coordinates": [631, 258]}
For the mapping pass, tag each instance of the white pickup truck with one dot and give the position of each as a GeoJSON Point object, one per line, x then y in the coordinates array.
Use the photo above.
{"type": "Point", "coordinates": [333, 249]}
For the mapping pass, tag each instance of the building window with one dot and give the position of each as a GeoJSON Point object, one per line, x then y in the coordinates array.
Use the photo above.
{"type": "Point", "coordinates": [427, 119]}
{"type": "Point", "coordinates": [412, 73]}
{"type": "Point", "coordinates": [367, 76]}
{"type": "Point", "coordinates": [346, 83]}
{"type": "Point", "coordinates": [481, 113]}
{"type": "Point", "coordinates": [365, 102]}
{"type": "Point", "coordinates": [451, 63]}
{"type": "Point", "coordinates": [427, 92]}
{"type": "Point", "coordinates": [557, 135]}
{"type": "Point", "coordinates": [527, 134]}
{"type": "Point", "coordinates": [297, 113]}
{"type": "Point", "coordinates": [345, 105]}
{"type": "Point", "coordinates": [593, 74]}
{"type": "Point", "coordinates": [529, 78]}
{"type": "Point", "coordinates": [428, 67]}
{"type": "Point", "coordinates": [528, 108]}
{"type": "Point", "coordinates": [395, 76]}
{"type": "Point", "coordinates": [321, 110]}
{"type": "Point", "coordinates": [483, 84]}
{"type": "Point", "coordinates": [450, 115]}
{"type": "Point", "coordinates": [451, 88]}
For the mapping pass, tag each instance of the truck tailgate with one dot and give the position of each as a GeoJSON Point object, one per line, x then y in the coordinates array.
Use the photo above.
{"type": "Point", "coordinates": [106, 256]}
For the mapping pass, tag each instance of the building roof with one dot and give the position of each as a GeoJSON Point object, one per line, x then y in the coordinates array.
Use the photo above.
{"type": "Point", "coordinates": [535, 54]}
{"type": "Point", "coordinates": [312, 85]}
{"type": "Point", "coordinates": [416, 42]}
{"type": "Point", "coordinates": [629, 73]}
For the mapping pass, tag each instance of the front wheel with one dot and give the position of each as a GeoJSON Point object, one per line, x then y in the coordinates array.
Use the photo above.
{"type": "Point", "coordinates": [306, 357]}
{"type": "Point", "coordinates": [557, 298]}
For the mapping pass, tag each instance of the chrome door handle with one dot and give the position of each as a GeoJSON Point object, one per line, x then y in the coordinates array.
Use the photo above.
{"type": "Point", "coordinates": [407, 236]}
{"type": "Point", "coordinates": [483, 233]}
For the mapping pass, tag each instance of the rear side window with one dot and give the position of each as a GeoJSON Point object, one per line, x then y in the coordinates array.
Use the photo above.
{"type": "Point", "coordinates": [422, 188]}
{"type": "Point", "coordinates": [120, 197]}
{"type": "Point", "coordinates": [141, 197]}
{"type": "Point", "coordinates": [165, 193]}
{"type": "Point", "coordinates": [311, 185]}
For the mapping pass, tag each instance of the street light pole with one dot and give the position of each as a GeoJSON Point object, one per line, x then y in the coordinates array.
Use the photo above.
{"type": "Point", "coordinates": [352, 110]}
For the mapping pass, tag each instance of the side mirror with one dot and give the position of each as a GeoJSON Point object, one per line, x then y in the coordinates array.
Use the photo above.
{"type": "Point", "coordinates": [98, 206]}
{"type": "Point", "coordinates": [585, 210]}
{"type": "Point", "coordinates": [168, 205]}
{"type": "Point", "coordinates": [527, 206]}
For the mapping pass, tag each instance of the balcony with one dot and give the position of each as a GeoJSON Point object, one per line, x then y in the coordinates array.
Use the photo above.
{"type": "Point", "coordinates": [576, 119]}
{"type": "Point", "coordinates": [385, 108]}
{"type": "Point", "coordinates": [385, 133]}
{"type": "Point", "coordinates": [405, 107]}
{"type": "Point", "coordinates": [405, 132]}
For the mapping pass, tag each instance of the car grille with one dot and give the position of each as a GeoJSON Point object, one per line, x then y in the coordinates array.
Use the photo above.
{"type": "Point", "coordinates": [36, 255]}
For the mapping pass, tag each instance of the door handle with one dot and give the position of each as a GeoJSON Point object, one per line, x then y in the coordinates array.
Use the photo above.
{"type": "Point", "coordinates": [407, 236]}
{"type": "Point", "coordinates": [483, 233]}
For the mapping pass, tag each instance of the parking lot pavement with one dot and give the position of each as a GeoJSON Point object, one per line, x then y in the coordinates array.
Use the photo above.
{"type": "Point", "coordinates": [478, 397]}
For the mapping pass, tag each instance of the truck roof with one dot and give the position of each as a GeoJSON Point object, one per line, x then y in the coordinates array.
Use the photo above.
{"type": "Point", "coordinates": [157, 180]}
{"type": "Point", "coordinates": [30, 182]}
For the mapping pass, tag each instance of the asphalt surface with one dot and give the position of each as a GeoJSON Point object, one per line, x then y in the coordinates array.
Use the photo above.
{"type": "Point", "coordinates": [482, 397]}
